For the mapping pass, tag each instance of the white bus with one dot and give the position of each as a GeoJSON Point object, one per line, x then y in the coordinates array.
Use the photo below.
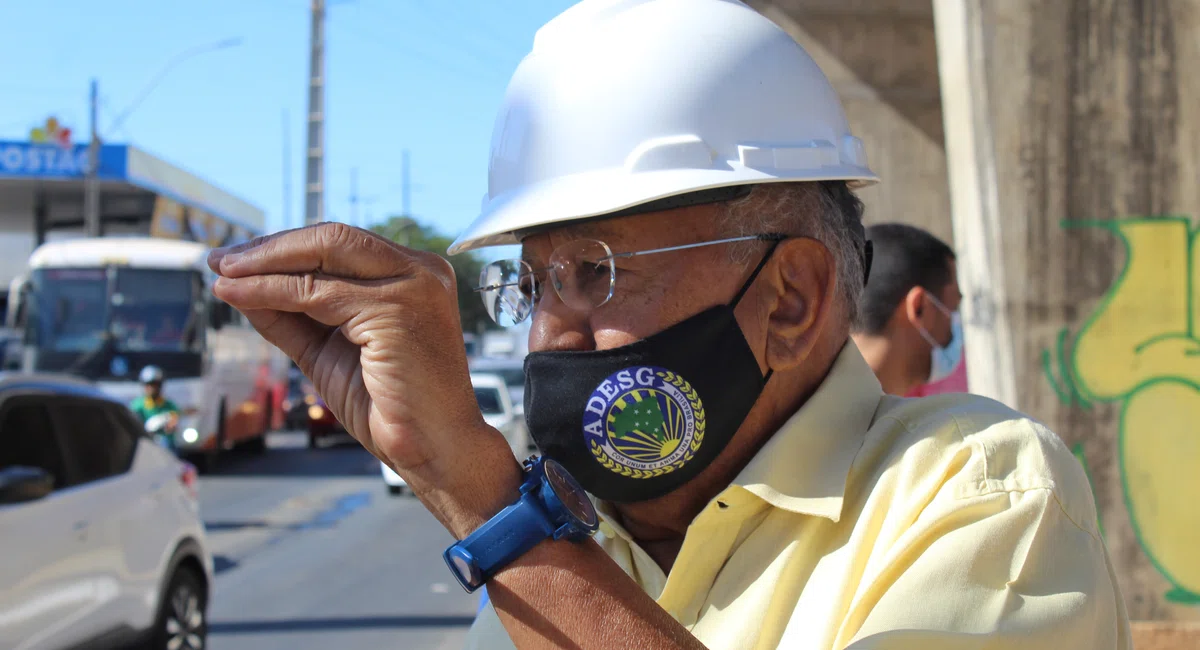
{"type": "Point", "coordinates": [105, 308]}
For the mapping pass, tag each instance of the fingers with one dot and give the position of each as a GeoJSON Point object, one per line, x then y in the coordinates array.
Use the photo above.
{"type": "Point", "coordinates": [215, 255]}
{"type": "Point", "coordinates": [330, 248]}
{"type": "Point", "coordinates": [322, 353]}
{"type": "Point", "coordinates": [296, 335]}
{"type": "Point", "coordinates": [332, 302]}
{"type": "Point", "coordinates": [340, 302]}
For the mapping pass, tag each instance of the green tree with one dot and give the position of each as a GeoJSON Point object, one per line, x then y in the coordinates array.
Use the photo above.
{"type": "Point", "coordinates": [409, 232]}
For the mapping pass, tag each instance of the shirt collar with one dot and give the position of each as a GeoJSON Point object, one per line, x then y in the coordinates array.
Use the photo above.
{"type": "Point", "coordinates": [803, 467]}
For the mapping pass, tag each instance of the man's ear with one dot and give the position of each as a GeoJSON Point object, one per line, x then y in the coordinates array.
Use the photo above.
{"type": "Point", "coordinates": [803, 283]}
{"type": "Point", "coordinates": [916, 307]}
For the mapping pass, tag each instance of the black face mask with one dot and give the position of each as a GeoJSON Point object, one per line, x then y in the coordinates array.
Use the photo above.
{"type": "Point", "coordinates": [636, 422]}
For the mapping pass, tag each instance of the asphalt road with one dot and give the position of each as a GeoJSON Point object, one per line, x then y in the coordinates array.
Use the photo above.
{"type": "Point", "coordinates": [312, 552]}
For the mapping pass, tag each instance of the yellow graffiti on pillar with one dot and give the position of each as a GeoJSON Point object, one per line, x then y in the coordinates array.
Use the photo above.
{"type": "Point", "coordinates": [1141, 348]}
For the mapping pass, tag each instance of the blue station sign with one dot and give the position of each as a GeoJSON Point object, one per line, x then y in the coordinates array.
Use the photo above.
{"type": "Point", "coordinates": [53, 161]}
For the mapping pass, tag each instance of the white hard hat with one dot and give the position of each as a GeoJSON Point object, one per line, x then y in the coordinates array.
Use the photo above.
{"type": "Point", "coordinates": [625, 102]}
{"type": "Point", "coordinates": [151, 375]}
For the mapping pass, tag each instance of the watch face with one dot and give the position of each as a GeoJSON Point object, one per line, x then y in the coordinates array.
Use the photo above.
{"type": "Point", "coordinates": [572, 496]}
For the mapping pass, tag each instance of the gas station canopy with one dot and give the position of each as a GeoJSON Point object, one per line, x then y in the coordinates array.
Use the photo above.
{"type": "Point", "coordinates": [139, 193]}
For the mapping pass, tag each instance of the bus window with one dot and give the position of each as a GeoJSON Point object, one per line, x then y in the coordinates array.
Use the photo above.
{"type": "Point", "coordinates": [152, 308]}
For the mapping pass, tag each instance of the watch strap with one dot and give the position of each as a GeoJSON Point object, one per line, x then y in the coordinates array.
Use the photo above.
{"type": "Point", "coordinates": [511, 533]}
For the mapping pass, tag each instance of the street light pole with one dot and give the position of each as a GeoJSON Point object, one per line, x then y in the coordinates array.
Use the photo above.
{"type": "Point", "coordinates": [162, 73]}
{"type": "Point", "coordinates": [91, 184]}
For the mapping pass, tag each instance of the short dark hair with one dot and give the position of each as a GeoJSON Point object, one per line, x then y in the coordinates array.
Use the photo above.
{"type": "Point", "coordinates": [905, 257]}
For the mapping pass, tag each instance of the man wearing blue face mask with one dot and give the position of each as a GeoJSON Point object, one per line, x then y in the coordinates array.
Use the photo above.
{"type": "Point", "coordinates": [909, 329]}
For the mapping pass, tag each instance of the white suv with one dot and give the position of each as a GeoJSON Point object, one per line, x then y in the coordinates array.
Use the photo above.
{"type": "Point", "coordinates": [100, 527]}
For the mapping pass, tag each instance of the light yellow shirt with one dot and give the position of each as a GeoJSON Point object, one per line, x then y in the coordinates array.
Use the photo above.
{"type": "Point", "coordinates": [870, 521]}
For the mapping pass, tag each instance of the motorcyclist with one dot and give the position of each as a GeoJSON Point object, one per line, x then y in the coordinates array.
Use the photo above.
{"type": "Point", "coordinates": [154, 403]}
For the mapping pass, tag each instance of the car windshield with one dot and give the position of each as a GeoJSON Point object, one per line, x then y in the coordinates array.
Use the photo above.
{"type": "Point", "coordinates": [489, 400]}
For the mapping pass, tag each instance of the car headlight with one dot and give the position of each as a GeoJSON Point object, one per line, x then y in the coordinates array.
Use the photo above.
{"type": "Point", "coordinates": [190, 435]}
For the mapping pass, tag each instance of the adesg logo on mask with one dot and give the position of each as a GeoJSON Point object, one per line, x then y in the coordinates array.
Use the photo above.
{"type": "Point", "coordinates": [643, 422]}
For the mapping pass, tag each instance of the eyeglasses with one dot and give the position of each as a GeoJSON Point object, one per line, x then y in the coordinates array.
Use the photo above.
{"type": "Point", "coordinates": [581, 272]}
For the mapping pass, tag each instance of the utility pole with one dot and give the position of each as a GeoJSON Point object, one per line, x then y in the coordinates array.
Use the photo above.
{"type": "Point", "coordinates": [404, 186]}
{"type": "Point", "coordinates": [354, 197]}
{"type": "Point", "coordinates": [314, 189]}
{"type": "Point", "coordinates": [91, 185]}
{"type": "Point", "coordinates": [287, 174]}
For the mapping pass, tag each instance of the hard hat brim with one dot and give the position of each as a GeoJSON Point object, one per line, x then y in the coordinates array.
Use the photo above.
{"type": "Point", "coordinates": [593, 195]}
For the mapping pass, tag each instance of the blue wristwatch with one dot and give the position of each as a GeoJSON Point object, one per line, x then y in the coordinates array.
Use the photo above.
{"type": "Point", "coordinates": [551, 505]}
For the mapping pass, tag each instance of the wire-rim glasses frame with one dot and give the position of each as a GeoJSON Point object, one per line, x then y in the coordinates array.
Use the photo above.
{"type": "Point", "coordinates": [581, 272]}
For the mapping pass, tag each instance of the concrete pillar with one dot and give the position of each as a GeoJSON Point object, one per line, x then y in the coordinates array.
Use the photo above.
{"type": "Point", "coordinates": [1073, 141]}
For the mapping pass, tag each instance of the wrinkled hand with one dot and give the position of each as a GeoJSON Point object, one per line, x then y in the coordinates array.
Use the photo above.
{"type": "Point", "coordinates": [375, 327]}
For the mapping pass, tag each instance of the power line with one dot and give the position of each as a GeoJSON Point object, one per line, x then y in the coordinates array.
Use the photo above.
{"type": "Point", "coordinates": [462, 19]}
{"type": "Point", "coordinates": [462, 44]}
{"type": "Point", "coordinates": [107, 110]}
{"type": "Point", "coordinates": [33, 88]}
{"type": "Point", "coordinates": [393, 44]}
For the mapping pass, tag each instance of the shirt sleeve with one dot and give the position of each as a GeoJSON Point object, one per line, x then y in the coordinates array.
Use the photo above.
{"type": "Point", "coordinates": [1005, 569]}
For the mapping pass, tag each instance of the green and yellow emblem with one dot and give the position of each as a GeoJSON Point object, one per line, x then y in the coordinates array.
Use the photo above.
{"type": "Point", "coordinates": [644, 422]}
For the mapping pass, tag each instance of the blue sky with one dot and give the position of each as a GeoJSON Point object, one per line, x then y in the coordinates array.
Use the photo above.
{"type": "Point", "coordinates": [426, 75]}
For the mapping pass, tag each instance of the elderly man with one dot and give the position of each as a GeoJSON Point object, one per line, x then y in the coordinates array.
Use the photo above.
{"type": "Point", "coordinates": [678, 174]}
{"type": "Point", "coordinates": [908, 327]}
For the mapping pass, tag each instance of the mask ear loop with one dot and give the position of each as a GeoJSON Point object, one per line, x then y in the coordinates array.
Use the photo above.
{"type": "Point", "coordinates": [774, 239]}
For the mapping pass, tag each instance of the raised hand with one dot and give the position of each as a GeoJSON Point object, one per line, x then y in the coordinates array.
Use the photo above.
{"type": "Point", "coordinates": [376, 328]}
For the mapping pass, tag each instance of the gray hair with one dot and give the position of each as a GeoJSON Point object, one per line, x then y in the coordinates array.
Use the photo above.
{"type": "Point", "coordinates": [827, 211]}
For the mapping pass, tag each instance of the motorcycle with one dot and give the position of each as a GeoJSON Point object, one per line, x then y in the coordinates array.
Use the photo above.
{"type": "Point", "coordinates": [162, 429]}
